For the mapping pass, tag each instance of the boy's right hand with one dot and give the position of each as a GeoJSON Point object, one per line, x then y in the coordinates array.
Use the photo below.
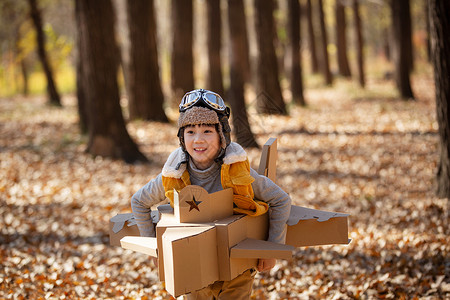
{"type": "Point", "coordinates": [155, 261]}
{"type": "Point", "coordinates": [266, 264]}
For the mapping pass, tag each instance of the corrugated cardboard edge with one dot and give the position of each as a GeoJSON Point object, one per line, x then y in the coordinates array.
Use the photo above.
{"type": "Point", "coordinates": [145, 245]}
{"type": "Point", "coordinates": [251, 248]}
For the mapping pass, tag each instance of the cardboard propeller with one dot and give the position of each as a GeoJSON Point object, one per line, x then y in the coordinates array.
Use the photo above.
{"type": "Point", "coordinates": [200, 241]}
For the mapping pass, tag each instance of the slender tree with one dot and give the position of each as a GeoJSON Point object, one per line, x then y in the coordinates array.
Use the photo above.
{"type": "Point", "coordinates": [312, 38]}
{"type": "Point", "coordinates": [401, 23]}
{"type": "Point", "coordinates": [295, 65]}
{"type": "Point", "coordinates": [326, 65]}
{"type": "Point", "coordinates": [359, 43]}
{"type": "Point", "coordinates": [22, 61]}
{"type": "Point", "coordinates": [145, 94]}
{"type": "Point", "coordinates": [83, 112]}
{"type": "Point", "coordinates": [270, 99]}
{"type": "Point", "coordinates": [12, 17]}
{"type": "Point", "coordinates": [182, 67]}
{"type": "Point", "coordinates": [235, 94]}
{"type": "Point", "coordinates": [214, 37]}
{"type": "Point", "coordinates": [427, 22]}
{"type": "Point", "coordinates": [440, 50]}
{"type": "Point", "coordinates": [52, 92]}
{"type": "Point", "coordinates": [108, 135]}
{"type": "Point", "coordinates": [242, 40]}
{"type": "Point", "coordinates": [341, 39]}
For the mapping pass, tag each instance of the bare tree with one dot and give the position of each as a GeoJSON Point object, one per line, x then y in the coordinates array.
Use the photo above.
{"type": "Point", "coordinates": [401, 24]}
{"type": "Point", "coordinates": [312, 38]}
{"type": "Point", "coordinates": [145, 94]}
{"type": "Point", "coordinates": [182, 67]}
{"type": "Point", "coordinates": [359, 43]}
{"type": "Point", "coordinates": [52, 92]}
{"type": "Point", "coordinates": [341, 39]}
{"type": "Point", "coordinates": [296, 65]}
{"type": "Point", "coordinates": [440, 46]}
{"type": "Point", "coordinates": [108, 135]}
{"type": "Point", "coordinates": [270, 99]}
{"type": "Point", "coordinates": [214, 37]}
{"type": "Point", "coordinates": [235, 94]}
{"type": "Point", "coordinates": [83, 112]}
{"type": "Point", "coordinates": [326, 65]}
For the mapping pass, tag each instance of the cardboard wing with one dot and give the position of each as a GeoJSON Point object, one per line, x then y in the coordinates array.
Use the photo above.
{"type": "Point", "coordinates": [312, 227]}
{"type": "Point", "coordinates": [122, 225]}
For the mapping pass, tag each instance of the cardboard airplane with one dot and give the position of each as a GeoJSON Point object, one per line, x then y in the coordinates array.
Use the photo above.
{"type": "Point", "coordinates": [200, 240]}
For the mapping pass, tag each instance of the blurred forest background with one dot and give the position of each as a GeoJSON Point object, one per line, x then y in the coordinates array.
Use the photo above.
{"type": "Point", "coordinates": [356, 91]}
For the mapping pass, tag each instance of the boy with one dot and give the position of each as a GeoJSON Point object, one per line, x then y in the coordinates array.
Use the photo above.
{"type": "Point", "coordinates": [208, 158]}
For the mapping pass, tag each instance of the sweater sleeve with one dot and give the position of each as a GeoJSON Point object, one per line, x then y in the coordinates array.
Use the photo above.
{"type": "Point", "coordinates": [279, 205]}
{"type": "Point", "coordinates": [150, 194]}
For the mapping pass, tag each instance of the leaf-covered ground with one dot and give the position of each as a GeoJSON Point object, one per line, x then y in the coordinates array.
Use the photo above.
{"type": "Point", "coordinates": [362, 152]}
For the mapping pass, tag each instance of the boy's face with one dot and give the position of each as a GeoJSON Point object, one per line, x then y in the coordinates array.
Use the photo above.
{"type": "Point", "coordinates": [203, 144]}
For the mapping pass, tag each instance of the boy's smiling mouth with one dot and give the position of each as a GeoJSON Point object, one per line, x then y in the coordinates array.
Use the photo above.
{"type": "Point", "coordinates": [201, 149]}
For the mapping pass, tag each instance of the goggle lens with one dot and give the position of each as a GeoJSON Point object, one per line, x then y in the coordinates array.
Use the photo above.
{"type": "Point", "coordinates": [189, 99]}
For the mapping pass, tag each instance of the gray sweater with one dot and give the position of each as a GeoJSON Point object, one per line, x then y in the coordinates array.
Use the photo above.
{"type": "Point", "coordinates": [265, 190]}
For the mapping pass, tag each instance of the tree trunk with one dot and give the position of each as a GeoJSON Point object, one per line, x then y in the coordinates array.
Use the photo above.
{"type": "Point", "coordinates": [235, 94]}
{"type": "Point", "coordinates": [214, 38]}
{"type": "Point", "coordinates": [182, 68]}
{"type": "Point", "coordinates": [341, 40]}
{"type": "Point", "coordinates": [22, 61]}
{"type": "Point", "coordinates": [311, 38]}
{"type": "Point", "coordinates": [83, 112]}
{"type": "Point", "coordinates": [440, 46]}
{"type": "Point", "coordinates": [35, 13]}
{"type": "Point", "coordinates": [24, 71]}
{"type": "Point", "coordinates": [270, 99]}
{"type": "Point", "coordinates": [108, 135]}
{"type": "Point", "coordinates": [401, 22]}
{"type": "Point", "coordinates": [428, 33]}
{"type": "Point", "coordinates": [123, 40]}
{"type": "Point", "coordinates": [296, 65]}
{"type": "Point", "coordinates": [359, 44]}
{"type": "Point", "coordinates": [387, 44]}
{"type": "Point", "coordinates": [145, 94]}
{"type": "Point", "coordinates": [326, 65]}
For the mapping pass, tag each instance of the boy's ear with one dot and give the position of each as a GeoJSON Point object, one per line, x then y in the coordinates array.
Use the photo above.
{"type": "Point", "coordinates": [180, 132]}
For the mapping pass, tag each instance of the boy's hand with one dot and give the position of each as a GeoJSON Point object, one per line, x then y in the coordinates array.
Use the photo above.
{"type": "Point", "coordinates": [154, 260]}
{"type": "Point", "coordinates": [265, 264]}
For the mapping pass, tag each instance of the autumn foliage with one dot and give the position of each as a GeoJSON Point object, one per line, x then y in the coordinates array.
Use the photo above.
{"type": "Point", "coordinates": [362, 152]}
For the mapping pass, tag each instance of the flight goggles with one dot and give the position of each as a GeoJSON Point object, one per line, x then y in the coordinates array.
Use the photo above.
{"type": "Point", "coordinates": [207, 98]}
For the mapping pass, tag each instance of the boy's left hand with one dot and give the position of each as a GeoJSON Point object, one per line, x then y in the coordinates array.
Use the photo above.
{"type": "Point", "coordinates": [265, 264]}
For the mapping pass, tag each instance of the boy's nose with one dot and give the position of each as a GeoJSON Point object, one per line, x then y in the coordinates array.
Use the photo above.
{"type": "Point", "coordinates": [199, 138]}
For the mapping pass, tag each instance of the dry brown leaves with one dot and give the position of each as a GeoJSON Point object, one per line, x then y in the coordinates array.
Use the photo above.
{"type": "Point", "coordinates": [369, 155]}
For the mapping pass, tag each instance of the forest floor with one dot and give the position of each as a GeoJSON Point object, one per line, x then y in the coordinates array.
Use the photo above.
{"type": "Point", "coordinates": [363, 152]}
